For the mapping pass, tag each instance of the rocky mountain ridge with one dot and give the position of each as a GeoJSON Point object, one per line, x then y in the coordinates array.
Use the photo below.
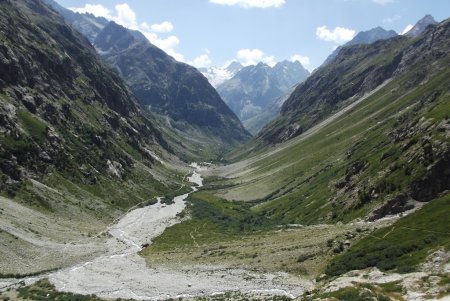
{"type": "Point", "coordinates": [254, 92]}
{"type": "Point", "coordinates": [374, 64]}
{"type": "Point", "coordinates": [364, 37]}
{"type": "Point", "coordinates": [48, 91]}
{"type": "Point", "coordinates": [421, 26]}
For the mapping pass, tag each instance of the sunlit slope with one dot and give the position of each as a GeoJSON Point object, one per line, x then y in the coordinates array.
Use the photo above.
{"type": "Point", "coordinates": [392, 147]}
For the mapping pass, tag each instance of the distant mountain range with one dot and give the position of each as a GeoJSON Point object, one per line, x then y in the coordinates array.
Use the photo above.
{"type": "Point", "coordinates": [254, 93]}
{"type": "Point", "coordinates": [168, 87]}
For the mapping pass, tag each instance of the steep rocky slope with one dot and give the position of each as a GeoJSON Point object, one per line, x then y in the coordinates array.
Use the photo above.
{"type": "Point", "coordinates": [168, 87]}
{"type": "Point", "coordinates": [254, 92]}
{"type": "Point", "coordinates": [76, 148]}
{"type": "Point", "coordinates": [182, 98]}
{"type": "Point", "coordinates": [421, 26]}
{"type": "Point", "coordinates": [356, 70]}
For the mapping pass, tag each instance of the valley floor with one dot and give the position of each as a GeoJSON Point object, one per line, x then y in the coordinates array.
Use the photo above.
{"type": "Point", "coordinates": [279, 264]}
{"type": "Point", "coordinates": [119, 272]}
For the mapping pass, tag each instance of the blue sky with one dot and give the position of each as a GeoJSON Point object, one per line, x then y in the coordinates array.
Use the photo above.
{"type": "Point", "coordinates": [214, 32]}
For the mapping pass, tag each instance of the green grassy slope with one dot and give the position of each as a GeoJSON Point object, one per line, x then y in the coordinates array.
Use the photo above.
{"type": "Point", "coordinates": [378, 151]}
{"type": "Point", "coordinates": [381, 153]}
{"type": "Point", "coordinates": [385, 153]}
{"type": "Point", "coordinates": [403, 245]}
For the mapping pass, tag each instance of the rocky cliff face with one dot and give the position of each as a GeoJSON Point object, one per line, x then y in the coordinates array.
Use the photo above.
{"type": "Point", "coordinates": [253, 92]}
{"type": "Point", "coordinates": [62, 110]}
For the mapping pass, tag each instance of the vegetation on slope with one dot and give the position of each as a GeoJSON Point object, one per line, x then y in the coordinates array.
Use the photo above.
{"type": "Point", "coordinates": [386, 153]}
{"type": "Point", "coordinates": [381, 156]}
{"type": "Point", "coordinates": [401, 246]}
{"type": "Point", "coordinates": [395, 152]}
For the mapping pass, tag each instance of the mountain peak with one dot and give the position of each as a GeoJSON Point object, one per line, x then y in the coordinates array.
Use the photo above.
{"type": "Point", "coordinates": [364, 37]}
{"type": "Point", "coordinates": [234, 66]}
{"type": "Point", "coordinates": [372, 35]}
{"type": "Point", "coordinates": [287, 63]}
{"type": "Point", "coordinates": [421, 25]}
{"type": "Point", "coordinates": [217, 75]}
{"type": "Point", "coordinates": [262, 65]}
{"type": "Point", "coordinates": [254, 92]}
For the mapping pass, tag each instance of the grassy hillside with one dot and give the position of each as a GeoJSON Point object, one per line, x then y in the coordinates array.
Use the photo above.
{"type": "Point", "coordinates": [385, 152]}
{"type": "Point", "coordinates": [369, 162]}
{"type": "Point", "coordinates": [383, 149]}
{"type": "Point", "coordinates": [403, 245]}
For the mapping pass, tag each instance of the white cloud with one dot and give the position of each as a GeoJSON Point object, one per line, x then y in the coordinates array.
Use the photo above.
{"type": "Point", "coordinates": [253, 56]}
{"type": "Point", "coordinates": [338, 35]}
{"type": "Point", "coordinates": [250, 56]}
{"type": "Point", "coordinates": [382, 2]}
{"type": "Point", "coordinates": [164, 43]}
{"type": "Point", "coordinates": [407, 28]}
{"type": "Point", "coordinates": [162, 27]}
{"type": "Point", "coordinates": [126, 16]}
{"type": "Point", "coordinates": [178, 56]}
{"type": "Point", "coordinates": [250, 3]}
{"type": "Point", "coordinates": [304, 60]}
{"type": "Point", "coordinates": [95, 9]}
{"type": "Point", "coordinates": [201, 61]}
{"type": "Point", "coordinates": [269, 60]}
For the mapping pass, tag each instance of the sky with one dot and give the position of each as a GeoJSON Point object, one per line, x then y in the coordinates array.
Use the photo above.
{"type": "Point", "coordinates": [208, 33]}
